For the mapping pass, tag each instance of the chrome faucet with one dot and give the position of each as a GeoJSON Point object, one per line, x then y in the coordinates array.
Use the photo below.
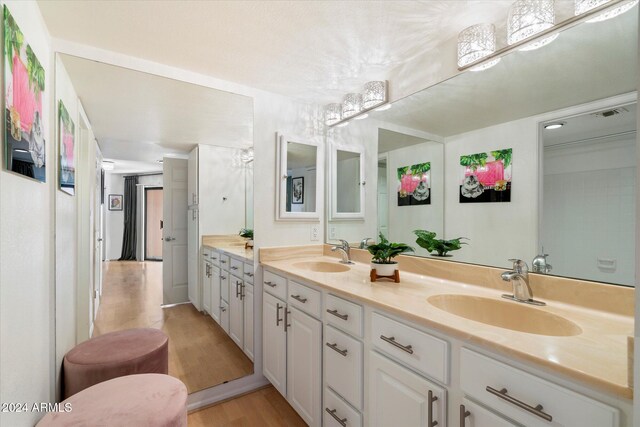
{"type": "Point", "coordinates": [540, 264]}
{"type": "Point", "coordinates": [344, 250]}
{"type": "Point", "coordinates": [519, 278]}
{"type": "Point", "coordinates": [364, 243]}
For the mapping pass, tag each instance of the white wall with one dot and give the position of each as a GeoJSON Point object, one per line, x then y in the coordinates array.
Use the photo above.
{"type": "Point", "coordinates": [348, 181]}
{"type": "Point", "coordinates": [403, 220]}
{"type": "Point", "coordinates": [222, 190]}
{"type": "Point", "coordinates": [508, 229]}
{"type": "Point", "coordinates": [26, 256]}
{"type": "Point", "coordinates": [114, 220]}
{"type": "Point", "coordinates": [589, 210]}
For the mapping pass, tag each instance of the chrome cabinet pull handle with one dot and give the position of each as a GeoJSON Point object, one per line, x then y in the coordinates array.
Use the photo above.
{"type": "Point", "coordinates": [223, 277]}
{"type": "Point", "coordinates": [392, 341]}
{"type": "Point", "coordinates": [463, 415]}
{"type": "Point", "coordinates": [238, 289]}
{"type": "Point", "coordinates": [334, 347]}
{"type": "Point", "coordinates": [432, 399]}
{"type": "Point", "coordinates": [273, 285]}
{"type": "Point", "coordinates": [278, 308]}
{"type": "Point", "coordinates": [223, 261]}
{"type": "Point", "coordinates": [299, 298]}
{"type": "Point", "coordinates": [332, 412]}
{"type": "Point", "coordinates": [335, 313]}
{"type": "Point", "coordinates": [286, 319]}
{"type": "Point", "coordinates": [242, 291]}
{"type": "Point", "coordinates": [248, 274]}
{"type": "Point", "coordinates": [233, 267]}
{"type": "Point", "coordinates": [535, 410]}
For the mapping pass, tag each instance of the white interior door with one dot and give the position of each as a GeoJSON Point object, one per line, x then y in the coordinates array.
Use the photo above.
{"type": "Point", "coordinates": [174, 247]}
{"type": "Point", "coordinates": [97, 234]}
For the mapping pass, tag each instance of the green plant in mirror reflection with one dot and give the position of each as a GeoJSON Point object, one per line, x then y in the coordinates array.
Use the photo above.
{"type": "Point", "coordinates": [246, 233]}
{"type": "Point", "coordinates": [384, 251]}
{"type": "Point", "coordinates": [504, 155]}
{"type": "Point", "coordinates": [474, 161]}
{"type": "Point", "coordinates": [427, 240]}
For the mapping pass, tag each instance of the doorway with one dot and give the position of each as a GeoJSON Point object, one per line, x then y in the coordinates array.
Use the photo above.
{"type": "Point", "coordinates": [153, 223]}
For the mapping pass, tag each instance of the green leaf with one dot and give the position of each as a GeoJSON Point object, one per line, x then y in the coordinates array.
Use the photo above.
{"type": "Point", "coordinates": [504, 155]}
{"type": "Point", "coordinates": [402, 171]}
{"type": "Point", "coordinates": [427, 240]}
{"type": "Point", "coordinates": [474, 160]}
{"type": "Point", "coordinates": [384, 251]}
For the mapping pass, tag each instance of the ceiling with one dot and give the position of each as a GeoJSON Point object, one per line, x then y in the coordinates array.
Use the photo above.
{"type": "Point", "coordinates": [311, 50]}
{"type": "Point", "coordinates": [142, 117]}
{"type": "Point", "coordinates": [593, 125]}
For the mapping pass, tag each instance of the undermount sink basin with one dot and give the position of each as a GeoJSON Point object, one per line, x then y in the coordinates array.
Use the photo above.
{"type": "Point", "coordinates": [505, 314]}
{"type": "Point", "coordinates": [322, 267]}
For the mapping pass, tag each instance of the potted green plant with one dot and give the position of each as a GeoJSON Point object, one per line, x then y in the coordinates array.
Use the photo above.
{"type": "Point", "coordinates": [383, 253]}
{"type": "Point", "coordinates": [247, 233]}
{"type": "Point", "coordinates": [427, 240]}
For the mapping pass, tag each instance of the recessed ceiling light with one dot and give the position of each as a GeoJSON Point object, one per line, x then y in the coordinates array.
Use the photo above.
{"type": "Point", "coordinates": [555, 125]}
{"type": "Point", "coordinates": [108, 165]}
{"type": "Point", "coordinates": [20, 150]}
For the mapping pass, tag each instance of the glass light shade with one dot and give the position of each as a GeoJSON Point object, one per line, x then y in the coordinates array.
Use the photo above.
{"type": "Point", "coordinates": [246, 155]}
{"type": "Point", "coordinates": [332, 114]}
{"type": "Point", "coordinates": [351, 105]}
{"type": "Point", "coordinates": [375, 93]}
{"type": "Point", "coordinates": [528, 18]}
{"type": "Point", "coordinates": [583, 6]}
{"type": "Point", "coordinates": [476, 42]}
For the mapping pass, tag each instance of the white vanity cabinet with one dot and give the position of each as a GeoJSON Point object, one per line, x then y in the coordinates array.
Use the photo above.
{"type": "Point", "coordinates": [215, 293]}
{"type": "Point", "coordinates": [474, 415]}
{"type": "Point", "coordinates": [206, 283]}
{"type": "Point", "coordinates": [236, 311]}
{"type": "Point", "coordinates": [292, 352]}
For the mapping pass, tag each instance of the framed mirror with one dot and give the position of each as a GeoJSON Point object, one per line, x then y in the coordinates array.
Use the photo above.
{"type": "Point", "coordinates": [347, 182]}
{"type": "Point", "coordinates": [299, 192]}
{"type": "Point", "coordinates": [504, 180]}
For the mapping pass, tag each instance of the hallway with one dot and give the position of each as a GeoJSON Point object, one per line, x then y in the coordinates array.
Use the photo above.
{"type": "Point", "coordinates": [201, 354]}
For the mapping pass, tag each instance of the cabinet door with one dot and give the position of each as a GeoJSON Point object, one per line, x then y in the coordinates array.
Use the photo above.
{"type": "Point", "coordinates": [304, 361]}
{"type": "Point", "coordinates": [400, 397]}
{"type": "Point", "coordinates": [236, 311]}
{"type": "Point", "coordinates": [206, 288]}
{"type": "Point", "coordinates": [248, 320]}
{"type": "Point", "coordinates": [215, 293]}
{"type": "Point", "coordinates": [477, 416]}
{"type": "Point", "coordinates": [274, 342]}
{"type": "Point", "coordinates": [224, 316]}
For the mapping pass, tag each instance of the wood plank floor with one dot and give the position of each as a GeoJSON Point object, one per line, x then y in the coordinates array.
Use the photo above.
{"type": "Point", "coordinates": [265, 407]}
{"type": "Point", "coordinates": [201, 354]}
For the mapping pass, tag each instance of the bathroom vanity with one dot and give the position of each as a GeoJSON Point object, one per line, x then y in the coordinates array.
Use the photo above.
{"type": "Point", "coordinates": [435, 351]}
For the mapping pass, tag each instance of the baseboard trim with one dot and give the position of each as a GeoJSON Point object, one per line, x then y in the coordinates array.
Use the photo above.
{"type": "Point", "coordinates": [223, 392]}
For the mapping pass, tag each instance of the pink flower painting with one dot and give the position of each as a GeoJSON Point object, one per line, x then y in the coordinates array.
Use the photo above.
{"type": "Point", "coordinates": [414, 186]}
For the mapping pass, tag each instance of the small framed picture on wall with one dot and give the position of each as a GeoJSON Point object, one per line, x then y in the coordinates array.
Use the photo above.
{"type": "Point", "coordinates": [298, 191]}
{"type": "Point", "coordinates": [115, 202]}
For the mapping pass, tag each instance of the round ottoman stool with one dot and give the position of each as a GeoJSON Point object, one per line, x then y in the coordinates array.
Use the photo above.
{"type": "Point", "coordinates": [145, 400]}
{"type": "Point", "coordinates": [133, 351]}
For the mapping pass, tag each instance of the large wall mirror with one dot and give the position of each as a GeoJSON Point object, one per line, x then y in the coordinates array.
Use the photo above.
{"type": "Point", "coordinates": [348, 175]}
{"type": "Point", "coordinates": [203, 172]}
{"type": "Point", "coordinates": [299, 192]}
{"type": "Point", "coordinates": [534, 156]}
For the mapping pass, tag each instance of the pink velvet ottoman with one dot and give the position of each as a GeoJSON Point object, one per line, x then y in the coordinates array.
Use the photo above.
{"type": "Point", "coordinates": [145, 400]}
{"type": "Point", "coordinates": [133, 351]}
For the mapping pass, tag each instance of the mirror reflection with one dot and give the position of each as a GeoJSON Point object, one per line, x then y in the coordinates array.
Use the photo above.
{"type": "Point", "coordinates": [301, 177]}
{"type": "Point", "coordinates": [348, 170]}
{"type": "Point", "coordinates": [171, 196]}
{"type": "Point", "coordinates": [470, 165]}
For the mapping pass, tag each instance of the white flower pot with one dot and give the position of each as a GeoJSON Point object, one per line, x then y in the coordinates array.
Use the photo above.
{"type": "Point", "coordinates": [250, 243]}
{"type": "Point", "coordinates": [384, 269]}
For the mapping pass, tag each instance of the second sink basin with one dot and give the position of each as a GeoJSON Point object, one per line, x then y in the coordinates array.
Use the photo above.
{"type": "Point", "coordinates": [505, 314]}
{"type": "Point", "coordinates": [322, 267]}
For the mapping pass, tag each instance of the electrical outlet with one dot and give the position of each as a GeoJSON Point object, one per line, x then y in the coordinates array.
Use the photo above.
{"type": "Point", "coordinates": [315, 232]}
{"type": "Point", "coordinates": [332, 233]}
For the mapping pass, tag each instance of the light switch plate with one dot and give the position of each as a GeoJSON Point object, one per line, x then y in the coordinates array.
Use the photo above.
{"type": "Point", "coordinates": [332, 233]}
{"type": "Point", "coordinates": [315, 232]}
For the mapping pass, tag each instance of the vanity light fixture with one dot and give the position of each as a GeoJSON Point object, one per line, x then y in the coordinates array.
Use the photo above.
{"type": "Point", "coordinates": [356, 106]}
{"type": "Point", "coordinates": [477, 42]}
{"type": "Point", "coordinates": [583, 6]}
{"type": "Point", "coordinates": [20, 150]}
{"type": "Point", "coordinates": [554, 125]}
{"type": "Point", "coordinates": [246, 155]}
{"type": "Point", "coordinates": [332, 114]}
{"type": "Point", "coordinates": [528, 18]}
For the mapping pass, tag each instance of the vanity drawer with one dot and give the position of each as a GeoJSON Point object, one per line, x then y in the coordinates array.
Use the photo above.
{"type": "Point", "coordinates": [214, 258]}
{"type": "Point", "coordinates": [481, 417]}
{"type": "Point", "coordinates": [206, 252]}
{"type": "Point", "coordinates": [248, 272]}
{"type": "Point", "coordinates": [486, 380]}
{"type": "Point", "coordinates": [225, 279]}
{"type": "Point", "coordinates": [236, 266]}
{"type": "Point", "coordinates": [224, 261]}
{"type": "Point", "coordinates": [343, 365]}
{"type": "Point", "coordinates": [411, 346]}
{"type": "Point", "coordinates": [343, 315]}
{"type": "Point", "coordinates": [275, 285]}
{"type": "Point", "coordinates": [304, 298]}
{"type": "Point", "coordinates": [336, 409]}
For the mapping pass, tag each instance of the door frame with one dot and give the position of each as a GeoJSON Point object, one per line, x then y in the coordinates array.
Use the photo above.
{"type": "Point", "coordinates": [144, 221]}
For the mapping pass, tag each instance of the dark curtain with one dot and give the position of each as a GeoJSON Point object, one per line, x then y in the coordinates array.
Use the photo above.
{"type": "Point", "coordinates": [129, 236]}
{"type": "Point", "coordinates": [289, 192]}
